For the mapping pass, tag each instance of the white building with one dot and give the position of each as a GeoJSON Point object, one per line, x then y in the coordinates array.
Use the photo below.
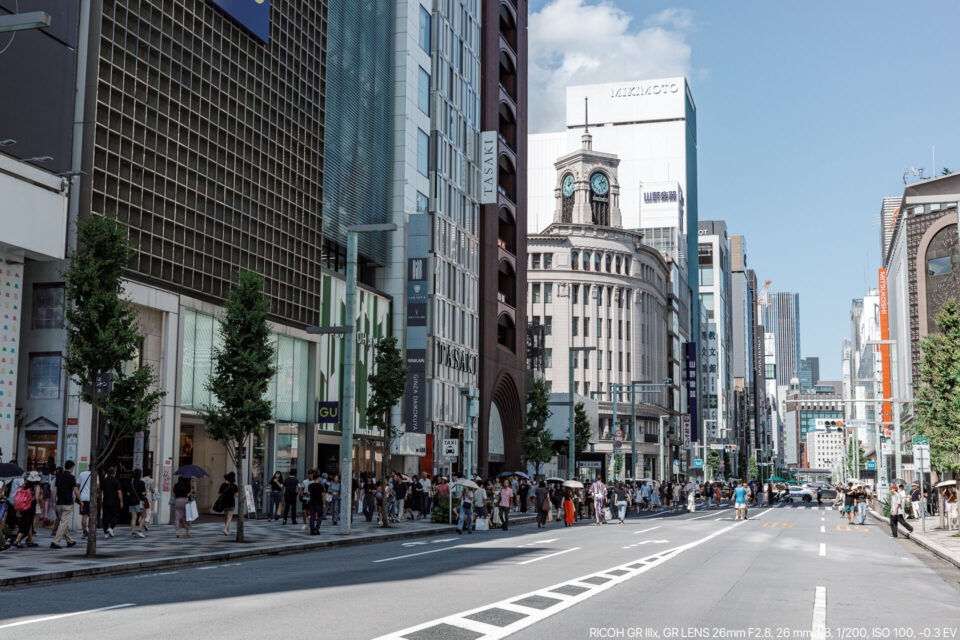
{"type": "Point", "coordinates": [593, 284]}
{"type": "Point", "coordinates": [824, 449]}
{"type": "Point", "coordinates": [717, 353]}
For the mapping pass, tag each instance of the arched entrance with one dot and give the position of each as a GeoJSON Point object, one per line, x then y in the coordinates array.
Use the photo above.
{"type": "Point", "coordinates": [501, 437]}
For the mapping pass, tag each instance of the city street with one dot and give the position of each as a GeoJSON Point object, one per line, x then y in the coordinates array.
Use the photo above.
{"type": "Point", "coordinates": [789, 571]}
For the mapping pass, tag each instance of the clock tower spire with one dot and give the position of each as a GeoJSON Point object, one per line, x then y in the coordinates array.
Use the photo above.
{"type": "Point", "coordinates": [586, 140]}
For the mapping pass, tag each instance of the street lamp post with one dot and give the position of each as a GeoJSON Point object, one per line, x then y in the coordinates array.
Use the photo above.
{"type": "Point", "coordinates": [573, 444]}
{"type": "Point", "coordinates": [349, 346]}
{"type": "Point", "coordinates": [645, 387]}
{"type": "Point", "coordinates": [469, 393]}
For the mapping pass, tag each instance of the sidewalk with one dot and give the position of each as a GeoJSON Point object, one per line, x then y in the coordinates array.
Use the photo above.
{"type": "Point", "coordinates": [937, 541]}
{"type": "Point", "coordinates": [161, 549]}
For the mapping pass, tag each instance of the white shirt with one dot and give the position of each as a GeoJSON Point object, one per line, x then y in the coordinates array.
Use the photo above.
{"type": "Point", "coordinates": [425, 483]}
{"type": "Point", "coordinates": [306, 486]}
{"type": "Point", "coordinates": [83, 481]}
{"type": "Point", "coordinates": [896, 502]}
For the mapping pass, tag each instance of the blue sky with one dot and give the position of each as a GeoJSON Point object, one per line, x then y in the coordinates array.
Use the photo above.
{"type": "Point", "coordinates": [808, 114]}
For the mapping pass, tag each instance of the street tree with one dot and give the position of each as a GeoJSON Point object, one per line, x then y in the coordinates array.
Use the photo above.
{"type": "Point", "coordinates": [854, 453]}
{"type": "Point", "coordinates": [102, 343]}
{"type": "Point", "coordinates": [581, 433]}
{"type": "Point", "coordinates": [388, 383]}
{"type": "Point", "coordinates": [536, 441]}
{"type": "Point", "coordinates": [752, 469]}
{"type": "Point", "coordinates": [242, 369]}
{"type": "Point", "coordinates": [937, 404]}
{"type": "Point", "coordinates": [713, 461]}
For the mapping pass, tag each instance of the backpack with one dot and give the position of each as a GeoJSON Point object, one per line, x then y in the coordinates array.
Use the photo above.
{"type": "Point", "coordinates": [22, 499]}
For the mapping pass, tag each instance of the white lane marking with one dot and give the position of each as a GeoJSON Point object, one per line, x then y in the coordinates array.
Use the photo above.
{"type": "Point", "coordinates": [643, 542]}
{"type": "Point", "coordinates": [533, 616]}
{"type": "Point", "coordinates": [823, 549]}
{"type": "Point", "coordinates": [65, 615]}
{"type": "Point", "coordinates": [645, 530]}
{"type": "Point", "coordinates": [819, 630]}
{"type": "Point", "coordinates": [703, 516]}
{"type": "Point", "coordinates": [530, 544]}
{"type": "Point", "coordinates": [823, 529]}
{"type": "Point", "coordinates": [551, 555]}
{"type": "Point", "coordinates": [410, 555]}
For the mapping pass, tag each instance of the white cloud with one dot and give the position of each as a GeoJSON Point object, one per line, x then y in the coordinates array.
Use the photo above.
{"type": "Point", "coordinates": [588, 41]}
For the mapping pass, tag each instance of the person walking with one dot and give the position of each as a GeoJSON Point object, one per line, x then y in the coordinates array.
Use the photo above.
{"type": "Point", "coordinates": [84, 481]}
{"type": "Point", "coordinates": [506, 500]}
{"type": "Point", "coordinates": [896, 511]}
{"type": "Point", "coordinates": [569, 510]}
{"type": "Point", "coordinates": [228, 500]}
{"type": "Point", "coordinates": [740, 501]}
{"type": "Point", "coordinates": [333, 493]}
{"type": "Point", "coordinates": [819, 496]}
{"type": "Point", "coordinates": [599, 492]}
{"type": "Point", "coordinates": [181, 496]}
{"type": "Point", "coordinates": [304, 493]}
{"type": "Point", "coordinates": [541, 503]}
{"type": "Point", "coordinates": [849, 502]}
{"type": "Point", "coordinates": [369, 498]}
{"type": "Point", "coordinates": [148, 498]}
{"type": "Point", "coordinates": [276, 496]}
{"type": "Point", "coordinates": [67, 495]}
{"type": "Point", "coordinates": [25, 501]}
{"type": "Point", "coordinates": [915, 500]}
{"type": "Point", "coordinates": [291, 486]}
{"type": "Point", "coordinates": [622, 500]}
{"type": "Point", "coordinates": [524, 493]}
{"type": "Point", "coordinates": [317, 502]}
{"type": "Point", "coordinates": [466, 511]}
{"type": "Point", "coordinates": [111, 499]}
{"type": "Point", "coordinates": [137, 496]}
{"type": "Point", "coordinates": [692, 500]}
{"type": "Point", "coordinates": [862, 496]}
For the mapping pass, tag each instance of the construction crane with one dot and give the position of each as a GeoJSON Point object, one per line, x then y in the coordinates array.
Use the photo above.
{"type": "Point", "coordinates": [762, 300]}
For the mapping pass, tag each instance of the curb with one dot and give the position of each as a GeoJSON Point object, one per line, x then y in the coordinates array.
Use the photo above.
{"type": "Point", "coordinates": [942, 552]}
{"type": "Point", "coordinates": [186, 561]}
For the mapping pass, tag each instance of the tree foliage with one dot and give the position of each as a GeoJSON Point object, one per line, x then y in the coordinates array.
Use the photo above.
{"type": "Point", "coordinates": [752, 469]}
{"type": "Point", "coordinates": [536, 441]}
{"type": "Point", "coordinates": [388, 383]}
{"type": "Point", "coordinates": [937, 405]}
{"type": "Point", "coordinates": [103, 341]}
{"type": "Point", "coordinates": [242, 369]}
{"type": "Point", "coordinates": [854, 453]}
{"type": "Point", "coordinates": [581, 428]}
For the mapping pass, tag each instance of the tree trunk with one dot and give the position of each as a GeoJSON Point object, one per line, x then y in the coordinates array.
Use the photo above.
{"type": "Point", "coordinates": [94, 518]}
{"type": "Point", "coordinates": [384, 469]}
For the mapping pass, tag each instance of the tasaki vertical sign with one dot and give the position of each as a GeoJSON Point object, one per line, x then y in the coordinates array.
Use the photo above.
{"type": "Point", "coordinates": [252, 15]}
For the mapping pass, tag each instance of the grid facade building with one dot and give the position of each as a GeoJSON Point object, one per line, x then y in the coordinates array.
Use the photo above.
{"type": "Point", "coordinates": [208, 145]}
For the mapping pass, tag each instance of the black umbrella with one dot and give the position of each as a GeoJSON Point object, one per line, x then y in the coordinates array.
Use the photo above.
{"type": "Point", "coordinates": [8, 470]}
{"type": "Point", "coordinates": [190, 471]}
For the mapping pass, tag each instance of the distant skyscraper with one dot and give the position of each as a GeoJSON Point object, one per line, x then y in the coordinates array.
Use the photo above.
{"type": "Point", "coordinates": [809, 373]}
{"type": "Point", "coordinates": [782, 317]}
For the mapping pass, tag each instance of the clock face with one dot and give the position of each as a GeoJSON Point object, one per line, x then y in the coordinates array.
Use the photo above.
{"type": "Point", "coordinates": [599, 184]}
{"type": "Point", "coordinates": [568, 185]}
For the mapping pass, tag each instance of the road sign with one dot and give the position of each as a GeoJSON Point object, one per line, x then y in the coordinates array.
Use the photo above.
{"type": "Point", "coordinates": [698, 463]}
{"type": "Point", "coordinates": [618, 434]}
{"type": "Point", "coordinates": [450, 448]}
{"type": "Point", "coordinates": [617, 444]}
{"type": "Point", "coordinates": [871, 465]}
{"type": "Point", "coordinates": [676, 464]}
{"type": "Point", "coordinates": [717, 447]}
{"type": "Point", "coordinates": [921, 456]}
{"type": "Point", "coordinates": [921, 440]}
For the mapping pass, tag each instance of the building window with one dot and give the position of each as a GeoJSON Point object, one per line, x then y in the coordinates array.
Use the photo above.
{"type": "Point", "coordinates": [705, 253]}
{"type": "Point", "coordinates": [628, 362]}
{"type": "Point", "coordinates": [609, 296]}
{"type": "Point", "coordinates": [535, 320]}
{"type": "Point", "coordinates": [575, 326]}
{"type": "Point", "coordinates": [549, 386]}
{"type": "Point", "coordinates": [535, 292]}
{"type": "Point", "coordinates": [586, 327]}
{"type": "Point", "coordinates": [576, 387]}
{"type": "Point", "coordinates": [599, 359]}
{"type": "Point", "coordinates": [599, 327]}
{"type": "Point", "coordinates": [597, 262]}
{"type": "Point", "coordinates": [626, 265]}
{"type": "Point", "coordinates": [548, 292]}
{"type": "Point", "coordinates": [609, 360]}
{"type": "Point", "coordinates": [423, 153]}
{"type": "Point", "coordinates": [574, 293]}
{"type": "Point", "coordinates": [424, 29]}
{"type": "Point", "coordinates": [586, 359]}
{"type": "Point", "coordinates": [706, 276]}
{"type": "Point", "coordinates": [423, 203]}
{"type": "Point", "coordinates": [586, 261]}
{"type": "Point", "coordinates": [586, 389]}
{"type": "Point", "coordinates": [547, 325]}
{"type": "Point", "coordinates": [628, 332]}
{"type": "Point", "coordinates": [47, 306]}
{"type": "Point", "coordinates": [574, 259]}
{"type": "Point", "coordinates": [620, 361]}
{"type": "Point", "coordinates": [534, 260]}
{"type": "Point", "coordinates": [423, 92]}
{"type": "Point", "coordinates": [609, 328]}
{"type": "Point", "coordinates": [609, 262]}
{"type": "Point", "coordinates": [548, 261]}
{"type": "Point", "coordinates": [548, 357]}
{"type": "Point", "coordinates": [938, 266]}
{"type": "Point", "coordinates": [619, 329]}
{"type": "Point", "coordinates": [44, 376]}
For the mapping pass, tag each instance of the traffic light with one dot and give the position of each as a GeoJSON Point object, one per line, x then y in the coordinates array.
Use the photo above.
{"type": "Point", "coordinates": [829, 424]}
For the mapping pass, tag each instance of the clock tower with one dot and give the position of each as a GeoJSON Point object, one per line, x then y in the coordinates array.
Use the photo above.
{"type": "Point", "coordinates": [587, 190]}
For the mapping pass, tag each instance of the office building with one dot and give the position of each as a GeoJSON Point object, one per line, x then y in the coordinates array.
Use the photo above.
{"type": "Point", "coordinates": [713, 257]}
{"type": "Point", "coordinates": [809, 373]}
{"type": "Point", "coordinates": [782, 318]}
{"type": "Point", "coordinates": [889, 215]}
{"type": "Point", "coordinates": [801, 410]}
{"type": "Point", "coordinates": [824, 449]}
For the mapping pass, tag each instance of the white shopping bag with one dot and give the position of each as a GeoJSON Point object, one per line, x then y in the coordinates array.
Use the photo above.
{"type": "Point", "coordinates": [192, 513]}
{"type": "Point", "coordinates": [483, 524]}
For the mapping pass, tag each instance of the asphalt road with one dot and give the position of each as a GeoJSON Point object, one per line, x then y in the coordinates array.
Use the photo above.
{"type": "Point", "coordinates": [787, 572]}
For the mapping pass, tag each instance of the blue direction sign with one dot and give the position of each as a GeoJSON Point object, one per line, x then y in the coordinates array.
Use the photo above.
{"type": "Point", "coordinates": [698, 463]}
{"type": "Point", "coordinates": [871, 465]}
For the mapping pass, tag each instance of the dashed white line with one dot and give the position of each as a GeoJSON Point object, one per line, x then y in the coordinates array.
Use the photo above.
{"type": "Point", "coordinates": [823, 529]}
{"type": "Point", "coordinates": [823, 549]}
{"type": "Point", "coordinates": [819, 630]}
{"type": "Point", "coordinates": [645, 530]}
{"type": "Point", "coordinates": [410, 555]}
{"type": "Point", "coordinates": [65, 615]}
{"type": "Point", "coordinates": [551, 555]}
